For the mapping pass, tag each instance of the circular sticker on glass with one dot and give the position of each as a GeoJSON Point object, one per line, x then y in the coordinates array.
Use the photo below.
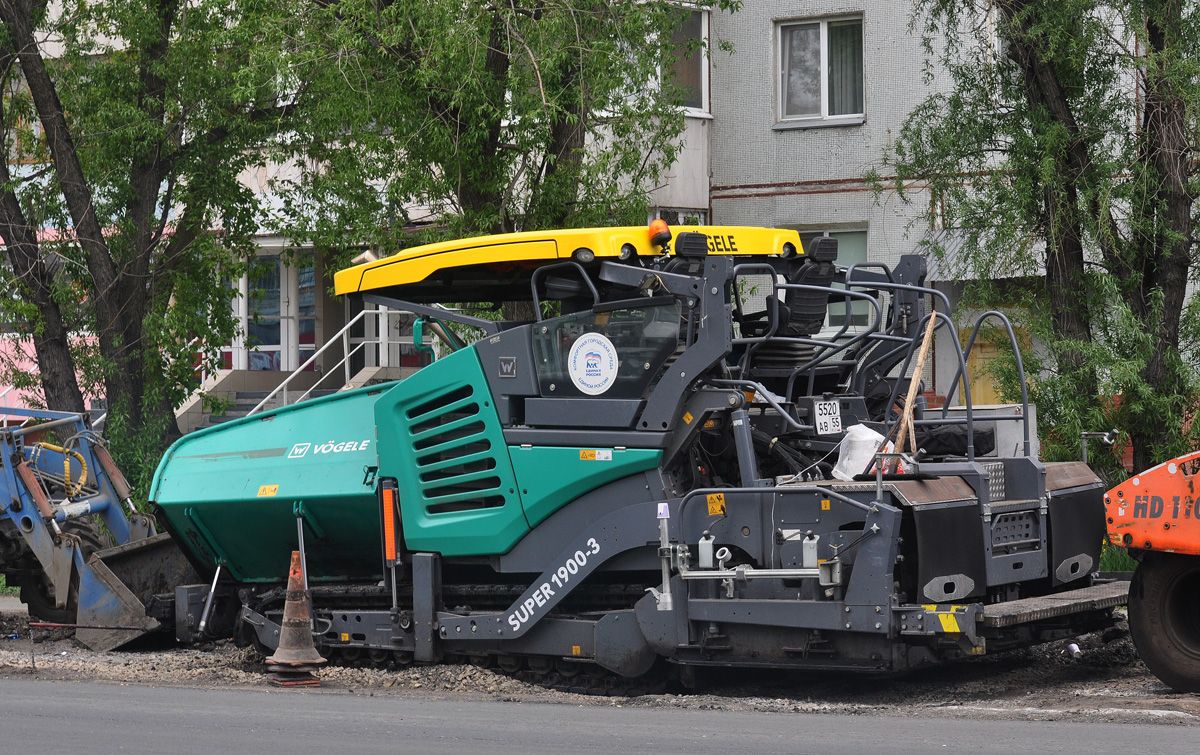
{"type": "Point", "coordinates": [592, 363]}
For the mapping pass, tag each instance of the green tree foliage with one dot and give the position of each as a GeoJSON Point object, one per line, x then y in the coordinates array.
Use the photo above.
{"type": "Point", "coordinates": [126, 124]}
{"type": "Point", "coordinates": [127, 128]}
{"type": "Point", "coordinates": [485, 117]}
{"type": "Point", "coordinates": [1058, 146]}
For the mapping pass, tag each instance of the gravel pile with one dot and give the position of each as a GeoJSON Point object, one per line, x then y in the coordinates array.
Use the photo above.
{"type": "Point", "coordinates": [1106, 682]}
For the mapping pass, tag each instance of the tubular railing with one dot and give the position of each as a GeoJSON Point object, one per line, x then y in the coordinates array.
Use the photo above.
{"type": "Point", "coordinates": [342, 336]}
{"type": "Point", "coordinates": [962, 371]}
{"type": "Point", "coordinates": [4, 395]}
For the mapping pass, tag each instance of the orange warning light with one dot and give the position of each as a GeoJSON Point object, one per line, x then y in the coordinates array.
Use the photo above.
{"type": "Point", "coordinates": [660, 232]}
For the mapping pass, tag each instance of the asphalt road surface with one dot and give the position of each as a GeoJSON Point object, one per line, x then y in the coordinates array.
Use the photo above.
{"type": "Point", "coordinates": [42, 716]}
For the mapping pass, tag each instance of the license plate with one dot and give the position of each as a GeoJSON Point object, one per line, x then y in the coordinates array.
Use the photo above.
{"type": "Point", "coordinates": [828, 416]}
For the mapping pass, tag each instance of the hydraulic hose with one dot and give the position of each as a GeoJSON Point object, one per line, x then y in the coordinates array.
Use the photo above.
{"type": "Point", "coordinates": [67, 467]}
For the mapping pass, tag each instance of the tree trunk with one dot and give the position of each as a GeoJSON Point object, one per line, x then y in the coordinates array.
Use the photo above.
{"type": "Point", "coordinates": [120, 294]}
{"type": "Point", "coordinates": [568, 129]}
{"type": "Point", "coordinates": [51, 337]}
{"type": "Point", "coordinates": [482, 191]}
{"type": "Point", "coordinates": [1064, 233]}
{"type": "Point", "coordinates": [51, 342]}
{"type": "Point", "coordinates": [1165, 131]}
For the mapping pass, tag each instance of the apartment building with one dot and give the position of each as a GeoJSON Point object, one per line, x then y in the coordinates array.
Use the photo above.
{"type": "Point", "coordinates": [783, 130]}
{"type": "Point", "coordinates": [780, 132]}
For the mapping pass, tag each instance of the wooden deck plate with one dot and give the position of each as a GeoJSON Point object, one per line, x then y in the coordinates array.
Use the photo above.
{"type": "Point", "coordinates": [1050, 606]}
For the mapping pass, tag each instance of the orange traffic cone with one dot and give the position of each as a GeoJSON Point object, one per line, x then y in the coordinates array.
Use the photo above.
{"type": "Point", "coordinates": [295, 659]}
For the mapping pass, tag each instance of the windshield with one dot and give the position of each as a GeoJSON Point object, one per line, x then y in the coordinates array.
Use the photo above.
{"type": "Point", "coordinates": [616, 354]}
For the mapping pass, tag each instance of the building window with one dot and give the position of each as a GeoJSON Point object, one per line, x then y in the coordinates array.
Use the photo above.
{"type": "Point", "coordinates": [276, 306]}
{"type": "Point", "coordinates": [680, 216]}
{"type": "Point", "coordinates": [689, 61]}
{"type": "Point", "coordinates": [264, 326]}
{"type": "Point", "coordinates": [821, 70]}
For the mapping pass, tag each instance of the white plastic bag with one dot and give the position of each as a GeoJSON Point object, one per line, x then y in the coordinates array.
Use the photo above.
{"type": "Point", "coordinates": [857, 450]}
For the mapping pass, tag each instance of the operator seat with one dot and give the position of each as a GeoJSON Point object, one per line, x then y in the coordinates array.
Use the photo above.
{"type": "Point", "coordinates": [802, 312]}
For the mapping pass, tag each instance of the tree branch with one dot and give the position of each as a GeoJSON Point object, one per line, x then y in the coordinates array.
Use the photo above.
{"type": "Point", "coordinates": [62, 145]}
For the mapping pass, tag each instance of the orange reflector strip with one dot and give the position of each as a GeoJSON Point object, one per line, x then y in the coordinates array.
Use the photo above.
{"type": "Point", "coordinates": [389, 524]}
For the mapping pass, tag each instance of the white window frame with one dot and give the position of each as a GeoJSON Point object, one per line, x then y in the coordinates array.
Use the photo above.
{"type": "Point", "coordinates": [289, 318]}
{"type": "Point", "coordinates": [705, 109]}
{"type": "Point", "coordinates": [823, 118]}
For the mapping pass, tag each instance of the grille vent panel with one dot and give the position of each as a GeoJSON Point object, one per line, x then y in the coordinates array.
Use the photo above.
{"type": "Point", "coordinates": [456, 463]}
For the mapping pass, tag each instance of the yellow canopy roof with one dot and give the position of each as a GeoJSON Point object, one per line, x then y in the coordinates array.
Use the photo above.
{"type": "Point", "coordinates": [501, 253]}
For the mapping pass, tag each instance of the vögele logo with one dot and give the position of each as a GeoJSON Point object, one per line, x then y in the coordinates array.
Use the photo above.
{"type": "Point", "coordinates": [300, 450]}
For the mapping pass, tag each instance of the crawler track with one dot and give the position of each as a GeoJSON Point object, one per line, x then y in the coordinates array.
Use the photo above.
{"type": "Point", "coordinates": [560, 674]}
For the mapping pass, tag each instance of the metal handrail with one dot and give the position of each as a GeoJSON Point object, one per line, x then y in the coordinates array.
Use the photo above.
{"type": "Point", "coordinates": [347, 352]}
{"type": "Point", "coordinates": [962, 371]}
{"type": "Point", "coordinates": [4, 393]}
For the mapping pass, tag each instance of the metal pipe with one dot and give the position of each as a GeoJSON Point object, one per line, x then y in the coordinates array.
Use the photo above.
{"type": "Point", "coordinates": [764, 394]}
{"type": "Point", "coordinates": [881, 459]}
{"type": "Point", "coordinates": [749, 572]}
{"type": "Point", "coordinates": [344, 333]}
{"type": "Point", "coordinates": [81, 508]}
{"type": "Point", "coordinates": [212, 592]}
{"type": "Point", "coordinates": [383, 329]}
{"type": "Point", "coordinates": [395, 595]}
{"type": "Point", "coordinates": [115, 477]}
{"type": "Point", "coordinates": [446, 337]}
{"type": "Point", "coordinates": [57, 625]}
{"type": "Point", "coordinates": [664, 549]}
{"type": "Point", "coordinates": [1108, 438]}
{"type": "Point", "coordinates": [962, 371]}
{"type": "Point", "coordinates": [40, 498]}
{"type": "Point", "coordinates": [300, 541]}
{"type": "Point", "coordinates": [539, 272]}
{"type": "Point", "coordinates": [744, 444]}
{"type": "Point", "coordinates": [331, 371]}
{"type": "Point", "coordinates": [72, 420]}
{"type": "Point", "coordinates": [823, 491]}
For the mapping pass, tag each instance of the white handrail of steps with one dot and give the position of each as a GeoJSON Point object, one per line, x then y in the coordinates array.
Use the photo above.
{"type": "Point", "coordinates": [344, 336]}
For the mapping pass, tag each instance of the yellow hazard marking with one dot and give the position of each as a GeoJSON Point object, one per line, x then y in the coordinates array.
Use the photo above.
{"type": "Point", "coordinates": [949, 623]}
{"type": "Point", "coordinates": [345, 637]}
{"type": "Point", "coordinates": [976, 650]}
{"type": "Point", "coordinates": [587, 454]}
{"type": "Point", "coordinates": [716, 504]}
{"type": "Point", "coordinates": [576, 650]}
{"type": "Point", "coordinates": [929, 606]}
{"type": "Point", "coordinates": [687, 418]}
{"type": "Point", "coordinates": [710, 423]}
{"type": "Point", "coordinates": [267, 490]}
{"type": "Point", "coordinates": [824, 504]}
